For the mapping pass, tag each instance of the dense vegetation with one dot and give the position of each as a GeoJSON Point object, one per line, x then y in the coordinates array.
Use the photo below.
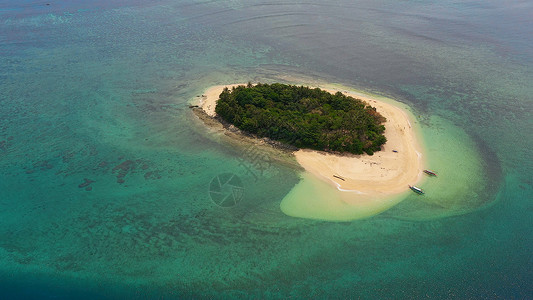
{"type": "Point", "coordinates": [304, 117]}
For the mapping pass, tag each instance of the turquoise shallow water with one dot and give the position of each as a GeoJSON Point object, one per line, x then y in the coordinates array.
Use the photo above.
{"type": "Point", "coordinates": [105, 172]}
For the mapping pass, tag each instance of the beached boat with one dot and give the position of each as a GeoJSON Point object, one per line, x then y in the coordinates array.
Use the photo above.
{"type": "Point", "coordinates": [430, 173]}
{"type": "Point", "coordinates": [416, 189]}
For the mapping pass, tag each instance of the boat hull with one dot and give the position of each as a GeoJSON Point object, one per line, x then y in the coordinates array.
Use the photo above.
{"type": "Point", "coordinates": [430, 173]}
{"type": "Point", "coordinates": [417, 190]}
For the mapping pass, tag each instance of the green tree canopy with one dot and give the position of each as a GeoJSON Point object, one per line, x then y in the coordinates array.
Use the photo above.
{"type": "Point", "coordinates": [304, 117]}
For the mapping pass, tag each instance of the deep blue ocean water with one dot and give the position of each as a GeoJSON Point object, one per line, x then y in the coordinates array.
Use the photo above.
{"type": "Point", "coordinates": [105, 173]}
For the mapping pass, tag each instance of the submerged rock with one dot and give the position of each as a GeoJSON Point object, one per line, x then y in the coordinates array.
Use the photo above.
{"type": "Point", "coordinates": [86, 183]}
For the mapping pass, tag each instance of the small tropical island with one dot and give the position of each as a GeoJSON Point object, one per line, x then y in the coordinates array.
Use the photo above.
{"type": "Point", "coordinates": [304, 117]}
{"type": "Point", "coordinates": [360, 152]}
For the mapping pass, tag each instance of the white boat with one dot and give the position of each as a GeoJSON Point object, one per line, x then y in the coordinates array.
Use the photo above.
{"type": "Point", "coordinates": [416, 189]}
